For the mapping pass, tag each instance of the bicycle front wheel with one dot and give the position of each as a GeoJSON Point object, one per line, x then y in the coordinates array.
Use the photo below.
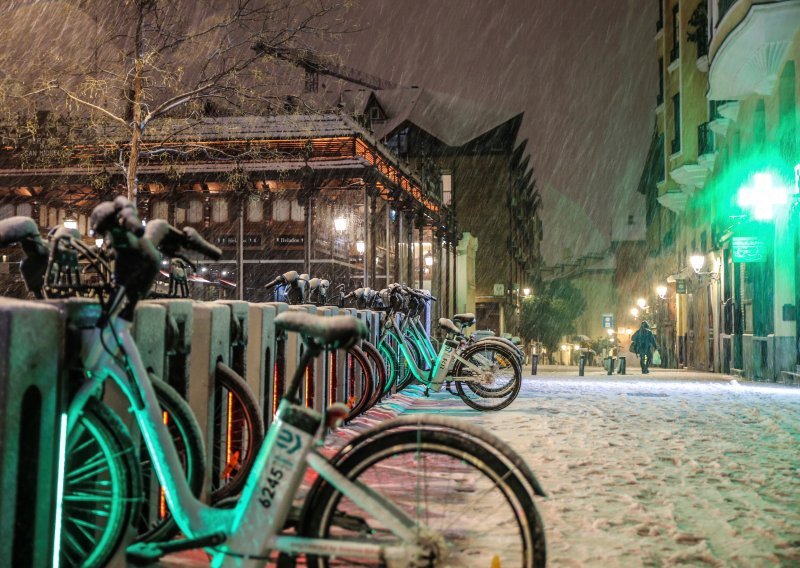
{"type": "Point", "coordinates": [102, 487]}
{"type": "Point", "coordinates": [469, 508]}
{"type": "Point", "coordinates": [497, 377]}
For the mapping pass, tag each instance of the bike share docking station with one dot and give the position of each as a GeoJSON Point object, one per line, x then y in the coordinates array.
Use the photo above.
{"type": "Point", "coordinates": [315, 390]}
{"type": "Point", "coordinates": [31, 406]}
{"type": "Point", "coordinates": [265, 372]}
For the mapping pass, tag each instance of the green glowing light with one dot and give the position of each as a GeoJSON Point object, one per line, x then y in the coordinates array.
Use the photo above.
{"type": "Point", "coordinates": [62, 461]}
{"type": "Point", "coordinates": [762, 196]}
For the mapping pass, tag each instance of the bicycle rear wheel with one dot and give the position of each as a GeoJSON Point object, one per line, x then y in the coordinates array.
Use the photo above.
{"type": "Point", "coordinates": [379, 374]}
{"type": "Point", "coordinates": [155, 523]}
{"type": "Point", "coordinates": [498, 377]}
{"type": "Point", "coordinates": [102, 487]}
{"type": "Point", "coordinates": [238, 433]}
{"type": "Point", "coordinates": [448, 484]}
{"type": "Point", "coordinates": [359, 381]}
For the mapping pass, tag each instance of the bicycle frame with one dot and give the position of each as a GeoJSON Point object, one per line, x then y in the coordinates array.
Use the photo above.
{"type": "Point", "coordinates": [442, 366]}
{"type": "Point", "coordinates": [251, 529]}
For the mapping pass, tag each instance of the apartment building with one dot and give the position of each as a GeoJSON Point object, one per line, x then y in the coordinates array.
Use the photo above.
{"type": "Point", "coordinates": [720, 185]}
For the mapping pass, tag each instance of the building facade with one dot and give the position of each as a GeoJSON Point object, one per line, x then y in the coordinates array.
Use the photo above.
{"type": "Point", "coordinates": [720, 184]}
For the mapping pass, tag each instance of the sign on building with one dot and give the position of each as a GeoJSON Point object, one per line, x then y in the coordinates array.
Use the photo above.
{"type": "Point", "coordinates": [499, 290]}
{"type": "Point", "coordinates": [289, 241]}
{"type": "Point", "coordinates": [680, 286]}
{"type": "Point", "coordinates": [608, 321]}
{"type": "Point", "coordinates": [748, 249]}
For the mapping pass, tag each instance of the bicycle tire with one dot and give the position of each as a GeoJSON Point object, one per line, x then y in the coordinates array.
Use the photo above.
{"type": "Point", "coordinates": [158, 524]}
{"type": "Point", "coordinates": [504, 357]}
{"type": "Point", "coordinates": [389, 357]}
{"type": "Point", "coordinates": [102, 487]}
{"type": "Point", "coordinates": [379, 373]}
{"type": "Point", "coordinates": [237, 421]}
{"type": "Point", "coordinates": [359, 374]}
{"type": "Point", "coordinates": [449, 456]}
{"type": "Point", "coordinates": [476, 395]}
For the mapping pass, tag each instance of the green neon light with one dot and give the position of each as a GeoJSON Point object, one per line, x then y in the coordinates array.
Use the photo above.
{"type": "Point", "coordinates": [762, 196]}
{"type": "Point", "coordinates": [62, 464]}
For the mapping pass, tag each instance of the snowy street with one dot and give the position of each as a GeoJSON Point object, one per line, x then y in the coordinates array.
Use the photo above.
{"type": "Point", "coordinates": [672, 469]}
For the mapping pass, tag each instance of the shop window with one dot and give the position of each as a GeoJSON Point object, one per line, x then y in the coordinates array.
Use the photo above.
{"type": "Point", "coordinates": [281, 210]}
{"type": "Point", "coordinates": [159, 210]}
{"type": "Point", "coordinates": [255, 211]}
{"type": "Point", "coordinates": [195, 212]}
{"type": "Point", "coordinates": [298, 211]}
{"type": "Point", "coordinates": [219, 211]}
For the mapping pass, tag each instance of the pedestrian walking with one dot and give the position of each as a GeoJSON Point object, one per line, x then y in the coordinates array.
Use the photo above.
{"type": "Point", "coordinates": [643, 343]}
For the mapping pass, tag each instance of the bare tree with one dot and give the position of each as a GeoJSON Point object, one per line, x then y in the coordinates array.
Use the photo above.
{"type": "Point", "coordinates": [123, 65]}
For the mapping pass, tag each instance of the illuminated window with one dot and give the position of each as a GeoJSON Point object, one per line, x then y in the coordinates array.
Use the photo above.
{"type": "Point", "coordinates": [255, 211]}
{"type": "Point", "coordinates": [281, 209]}
{"type": "Point", "coordinates": [447, 188]}
{"type": "Point", "coordinates": [219, 211]}
{"type": "Point", "coordinates": [298, 211]}
{"type": "Point", "coordinates": [159, 210]}
{"type": "Point", "coordinates": [25, 209]}
{"type": "Point", "coordinates": [195, 212]}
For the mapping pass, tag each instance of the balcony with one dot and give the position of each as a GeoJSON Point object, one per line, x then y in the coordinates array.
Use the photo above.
{"type": "Point", "coordinates": [674, 200]}
{"type": "Point", "coordinates": [750, 43]}
{"type": "Point", "coordinates": [706, 152]}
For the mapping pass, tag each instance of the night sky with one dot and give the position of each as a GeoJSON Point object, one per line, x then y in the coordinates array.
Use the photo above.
{"type": "Point", "coordinates": [584, 72]}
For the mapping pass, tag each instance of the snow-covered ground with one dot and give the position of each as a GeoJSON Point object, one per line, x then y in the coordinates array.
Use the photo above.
{"type": "Point", "coordinates": [668, 469]}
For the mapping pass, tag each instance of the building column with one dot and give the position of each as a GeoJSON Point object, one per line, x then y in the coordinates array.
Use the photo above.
{"type": "Point", "coordinates": [369, 253]}
{"type": "Point", "coordinates": [421, 260]}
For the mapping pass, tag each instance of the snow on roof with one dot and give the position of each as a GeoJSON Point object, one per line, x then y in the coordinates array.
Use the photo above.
{"type": "Point", "coordinates": [451, 119]}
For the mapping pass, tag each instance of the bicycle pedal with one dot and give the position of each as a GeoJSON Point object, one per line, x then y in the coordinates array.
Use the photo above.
{"type": "Point", "coordinates": [145, 553]}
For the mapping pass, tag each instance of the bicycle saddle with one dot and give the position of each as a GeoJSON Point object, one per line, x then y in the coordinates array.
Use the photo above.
{"type": "Point", "coordinates": [448, 325]}
{"type": "Point", "coordinates": [464, 319]}
{"type": "Point", "coordinates": [335, 332]}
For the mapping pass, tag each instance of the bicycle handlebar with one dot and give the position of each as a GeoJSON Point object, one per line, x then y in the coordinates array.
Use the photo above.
{"type": "Point", "coordinates": [117, 213]}
{"type": "Point", "coordinates": [169, 239]}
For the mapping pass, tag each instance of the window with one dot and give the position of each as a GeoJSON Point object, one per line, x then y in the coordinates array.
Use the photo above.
{"type": "Point", "coordinates": [7, 210]}
{"type": "Point", "coordinates": [399, 142]}
{"type": "Point", "coordinates": [660, 96]}
{"type": "Point", "coordinates": [447, 188]}
{"type": "Point", "coordinates": [195, 212]}
{"type": "Point", "coordinates": [630, 219]}
{"type": "Point", "coordinates": [159, 210]}
{"type": "Point", "coordinates": [25, 209]}
{"type": "Point", "coordinates": [676, 120]}
{"type": "Point", "coordinates": [255, 211]}
{"type": "Point", "coordinates": [281, 209]}
{"type": "Point", "coordinates": [298, 211]}
{"type": "Point", "coordinates": [43, 216]}
{"type": "Point", "coordinates": [219, 211]}
{"type": "Point", "coordinates": [676, 33]}
{"type": "Point", "coordinates": [759, 124]}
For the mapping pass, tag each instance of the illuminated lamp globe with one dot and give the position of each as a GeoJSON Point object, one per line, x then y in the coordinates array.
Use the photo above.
{"type": "Point", "coordinates": [340, 224]}
{"type": "Point", "coordinates": [361, 246]}
{"type": "Point", "coordinates": [642, 303]}
{"type": "Point", "coordinates": [697, 261]}
{"type": "Point", "coordinates": [429, 260]}
{"type": "Point", "coordinates": [635, 312]}
{"type": "Point", "coordinates": [526, 291]}
{"type": "Point", "coordinates": [662, 292]}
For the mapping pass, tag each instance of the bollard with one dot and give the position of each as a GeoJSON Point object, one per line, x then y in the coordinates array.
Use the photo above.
{"type": "Point", "coordinates": [535, 364]}
{"type": "Point", "coordinates": [31, 352]}
{"type": "Point", "coordinates": [622, 365]}
{"type": "Point", "coordinates": [581, 364]}
{"type": "Point", "coordinates": [610, 365]}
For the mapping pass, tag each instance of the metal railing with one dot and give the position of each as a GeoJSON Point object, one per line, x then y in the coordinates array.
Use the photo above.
{"type": "Point", "coordinates": [705, 139]}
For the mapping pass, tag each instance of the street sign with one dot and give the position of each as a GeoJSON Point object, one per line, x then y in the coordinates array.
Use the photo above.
{"type": "Point", "coordinates": [608, 321]}
{"type": "Point", "coordinates": [680, 286]}
{"type": "Point", "coordinates": [749, 249]}
{"type": "Point", "coordinates": [499, 290]}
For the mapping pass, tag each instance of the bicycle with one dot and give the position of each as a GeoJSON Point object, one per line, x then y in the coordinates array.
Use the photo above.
{"type": "Point", "coordinates": [346, 519]}
{"type": "Point", "coordinates": [485, 375]}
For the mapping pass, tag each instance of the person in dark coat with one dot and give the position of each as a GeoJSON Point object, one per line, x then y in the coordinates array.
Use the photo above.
{"type": "Point", "coordinates": [643, 343]}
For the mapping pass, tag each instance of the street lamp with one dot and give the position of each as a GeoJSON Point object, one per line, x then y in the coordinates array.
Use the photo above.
{"type": "Point", "coordinates": [429, 260]}
{"type": "Point", "coordinates": [70, 223]}
{"type": "Point", "coordinates": [360, 246]}
{"type": "Point", "coordinates": [635, 312]}
{"type": "Point", "coordinates": [98, 242]}
{"type": "Point", "coordinates": [662, 292]}
{"type": "Point", "coordinates": [642, 303]}
{"type": "Point", "coordinates": [526, 291]}
{"type": "Point", "coordinates": [697, 261]}
{"type": "Point", "coordinates": [340, 224]}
